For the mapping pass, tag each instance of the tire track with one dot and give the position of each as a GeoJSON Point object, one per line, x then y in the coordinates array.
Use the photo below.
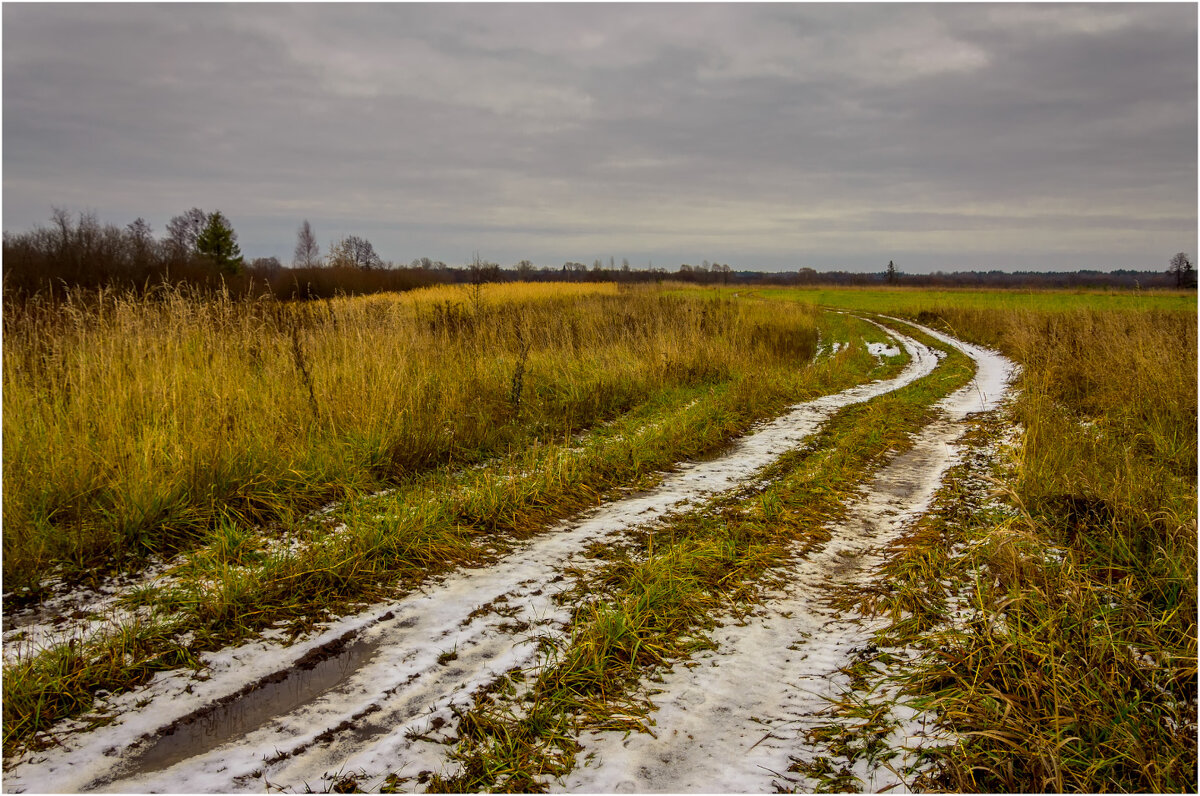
{"type": "Point", "coordinates": [382, 702]}
{"type": "Point", "coordinates": [731, 723]}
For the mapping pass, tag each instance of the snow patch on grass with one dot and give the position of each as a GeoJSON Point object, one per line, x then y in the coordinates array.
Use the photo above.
{"type": "Point", "coordinates": [372, 721]}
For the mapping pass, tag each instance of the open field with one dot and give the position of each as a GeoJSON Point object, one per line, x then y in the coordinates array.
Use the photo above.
{"type": "Point", "coordinates": [466, 539]}
{"type": "Point", "coordinates": [910, 301]}
{"type": "Point", "coordinates": [136, 426]}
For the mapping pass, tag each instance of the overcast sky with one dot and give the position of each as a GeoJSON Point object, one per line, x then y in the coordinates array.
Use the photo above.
{"type": "Point", "coordinates": [769, 137]}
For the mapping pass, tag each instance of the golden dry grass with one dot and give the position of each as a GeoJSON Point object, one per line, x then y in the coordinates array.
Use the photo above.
{"type": "Point", "coordinates": [133, 423]}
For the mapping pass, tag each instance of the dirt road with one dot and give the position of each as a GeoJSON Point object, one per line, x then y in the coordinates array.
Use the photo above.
{"type": "Point", "coordinates": [374, 692]}
{"type": "Point", "coordinates": [732, 724]}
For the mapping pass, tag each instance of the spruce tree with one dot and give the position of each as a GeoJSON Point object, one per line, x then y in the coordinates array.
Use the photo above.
{"type": "Point", "coordinates": [218, 242]}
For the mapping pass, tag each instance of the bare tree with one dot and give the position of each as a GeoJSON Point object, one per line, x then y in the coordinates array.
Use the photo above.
{"type": "Point", "coordinates": [141, 239]}
{"type": "Point", "coordinates": [354, 252]}
{"type": "Point", "coordinates": [308, 253]}
{"type": "Point", "coordinates": [184, 229]}
{"type": "Point", "coordinates": [140, 231]}
{"type": "Point", "coordinates": [484, 270]}
{"type": "Point", "coordinates": [1181, 269]}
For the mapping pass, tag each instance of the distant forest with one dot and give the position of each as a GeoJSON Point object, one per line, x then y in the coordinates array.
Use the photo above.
{"type": "Point", "coordinates": [200, 250]}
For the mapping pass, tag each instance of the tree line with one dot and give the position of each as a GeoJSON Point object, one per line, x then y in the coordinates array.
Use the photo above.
{"type": "Point", "coordinates": [200, 248]}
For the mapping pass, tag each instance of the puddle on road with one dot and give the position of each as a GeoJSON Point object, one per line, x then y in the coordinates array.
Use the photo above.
{"type": "Point", "coordinates": [242, 713]}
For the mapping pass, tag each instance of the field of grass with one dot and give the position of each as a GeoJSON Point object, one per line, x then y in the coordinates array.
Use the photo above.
{"type": "Point", "coordinates": [1080, 671]}
{"type": "Point", "coordinates": [136, 426]}
{"type": "Point", "coordinates": [177, 424]}
{"type": "Point", "coordinates": [141, 428]}
{"type": "Point", "coordinates": [910, 301]}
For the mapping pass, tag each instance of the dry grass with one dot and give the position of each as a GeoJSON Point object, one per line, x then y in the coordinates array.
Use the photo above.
{"type": "Point", "coordinates": [403, 391]}
{"type": "Point", "coordinates": [1072, 666]}
{"type": "Point", "coordinates": [133, 425]}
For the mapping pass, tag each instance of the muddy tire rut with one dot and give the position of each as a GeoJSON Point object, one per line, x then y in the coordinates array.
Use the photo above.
{"type": "Point", "coordinates": [376, 693]}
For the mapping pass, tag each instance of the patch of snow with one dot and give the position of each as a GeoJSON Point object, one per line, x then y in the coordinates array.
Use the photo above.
{"type": "Point", "coordinates": [76, 615]}
{"type": "Point", "coordinates": [881, 350]}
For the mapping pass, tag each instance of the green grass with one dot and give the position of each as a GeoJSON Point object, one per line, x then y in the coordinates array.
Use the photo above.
{"type": "Point", "coordinates": [911, 301]}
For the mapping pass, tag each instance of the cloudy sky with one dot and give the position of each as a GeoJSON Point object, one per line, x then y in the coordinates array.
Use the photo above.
{"type": "Point", "coordinates": [772, 136]}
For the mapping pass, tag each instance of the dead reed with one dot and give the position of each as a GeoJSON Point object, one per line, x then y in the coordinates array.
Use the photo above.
{"type": "Point", "coordinates": [133, 424]}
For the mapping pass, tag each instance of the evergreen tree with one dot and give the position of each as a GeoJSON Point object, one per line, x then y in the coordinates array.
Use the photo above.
{"type": "Point", "coordinates": [218, 242]}
{"type": "Point", "coordinates": [891, 273]}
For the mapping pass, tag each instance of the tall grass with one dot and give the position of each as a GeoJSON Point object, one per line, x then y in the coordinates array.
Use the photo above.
{"type": "Point", "coordinates": [133, 424]}
{"type": "Point", "coordinates": [1076, 669]}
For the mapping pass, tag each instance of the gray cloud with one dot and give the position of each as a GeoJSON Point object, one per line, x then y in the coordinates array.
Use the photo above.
{"type": "Point", "coordinates": [768, 136]}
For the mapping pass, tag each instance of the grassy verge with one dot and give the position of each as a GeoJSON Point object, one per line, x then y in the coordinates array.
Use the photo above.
{"type": "Point", "coordinates": [1058, 644]}
{"type": "Point", "coordinates": [911, 301]}
{"type": "Point", "coordinates": [652, 598]}
{"type": "Point", "coordinates": [242, 579]}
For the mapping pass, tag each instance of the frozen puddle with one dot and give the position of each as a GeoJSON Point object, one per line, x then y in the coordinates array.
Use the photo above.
{"type": "Point", "coordinates": [732, 723]}
{"type": "Point", "coordinates": [248, 723]}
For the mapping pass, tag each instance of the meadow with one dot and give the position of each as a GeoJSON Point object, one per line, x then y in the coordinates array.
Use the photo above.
{"type": "Point", "coordinates": [135, 425]}
{"type": "Point", "coordinates": [205, 430]}
{"type": "Point", "coordinates": [910, 301]}
{"type": "Point", "coordinates": [1082, 676]}
{"type": "Point", "coordinates": [439, 427]}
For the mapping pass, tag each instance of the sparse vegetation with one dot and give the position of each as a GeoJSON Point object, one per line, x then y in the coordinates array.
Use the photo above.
{"type": "Point", "coordinates": [651, 599]}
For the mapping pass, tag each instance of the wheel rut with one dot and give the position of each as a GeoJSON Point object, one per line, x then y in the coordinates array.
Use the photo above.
{"type": "Point", "coordinates": [382, 703]}
{"type": "Point", "coordinates": [731, 720]}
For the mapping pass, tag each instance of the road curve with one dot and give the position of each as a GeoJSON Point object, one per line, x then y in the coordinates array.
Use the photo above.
{"type": "Point", "coordinates": [379, 688]}
{"type": "Point", "coordinates": [731, 724]}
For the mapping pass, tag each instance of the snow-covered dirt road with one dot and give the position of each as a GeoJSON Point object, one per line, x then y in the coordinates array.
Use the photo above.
{"type": "Point", "coordinates": [374, 694]}
{"type": "Point", "coordinates": [731, 724]}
